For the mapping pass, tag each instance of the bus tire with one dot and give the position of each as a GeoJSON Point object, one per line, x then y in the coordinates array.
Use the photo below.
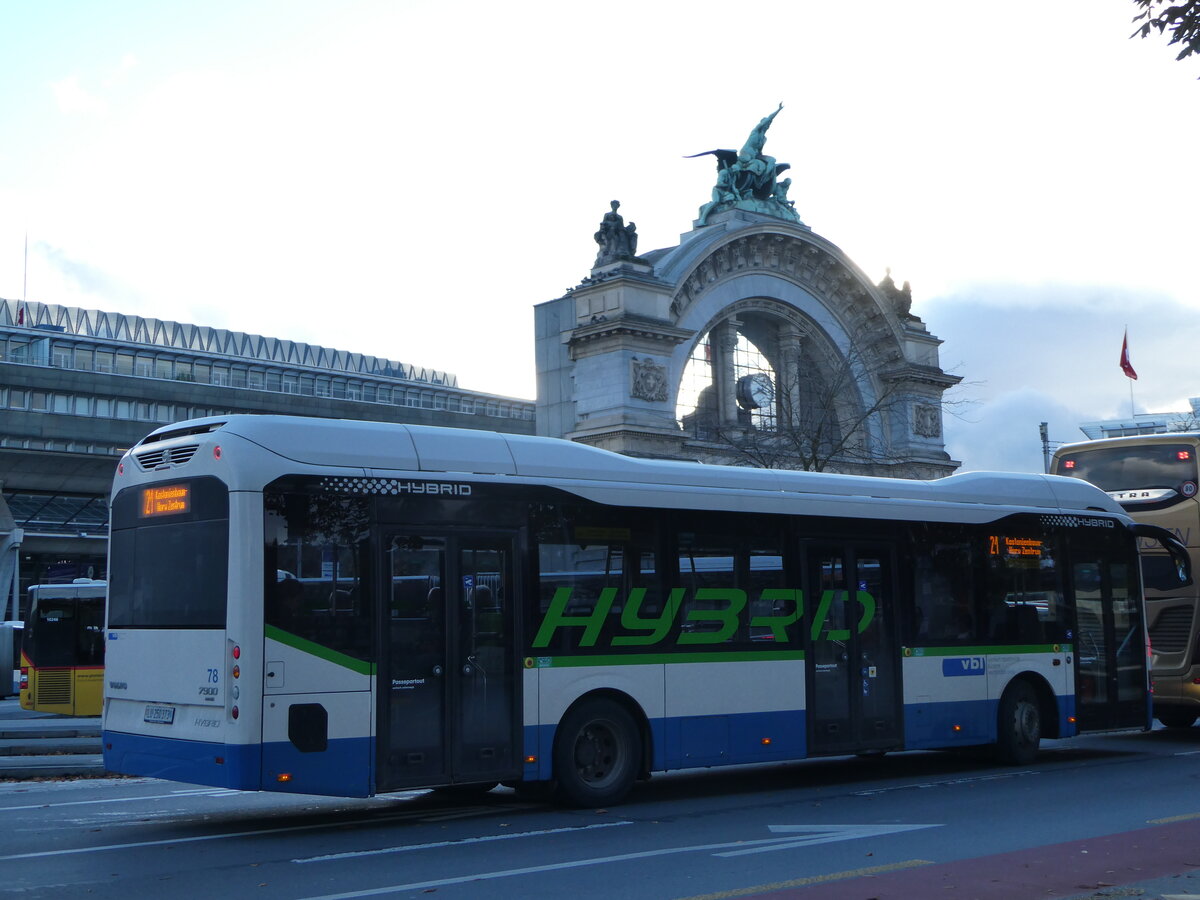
{"type": "Point", "coordinates": [1175, 718]}
{"type": "Point", "coordinates": [596, 754]}
{"type": "Point", "coordinates": [1020, 725]}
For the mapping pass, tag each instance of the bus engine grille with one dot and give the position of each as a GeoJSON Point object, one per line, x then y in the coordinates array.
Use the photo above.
{"type": "Point", "coordinates": [1171, 630]}
{"type": "Point", "coordinates": [174, 456]}
{"type": "Point", "coordinates": [53, 686]}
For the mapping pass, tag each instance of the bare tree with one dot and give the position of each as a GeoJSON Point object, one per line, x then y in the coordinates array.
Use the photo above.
{"type": "Point", "coordinates": [838, 412]}
{"type": "Point", "coordinates": [1184, 422]}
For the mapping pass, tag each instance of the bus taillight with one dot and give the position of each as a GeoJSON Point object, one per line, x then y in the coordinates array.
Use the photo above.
{"type": "Point", "coordinates": [24, 678]}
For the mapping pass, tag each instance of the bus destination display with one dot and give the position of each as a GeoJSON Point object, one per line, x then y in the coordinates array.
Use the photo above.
{"type": "Point", "coordinates": [166, 500]}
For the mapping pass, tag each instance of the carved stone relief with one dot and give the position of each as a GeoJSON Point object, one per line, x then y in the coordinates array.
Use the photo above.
{"type": "Point", "coordinates": [649, 381]}
{"type": "Point", "coordinates": [927, 421]}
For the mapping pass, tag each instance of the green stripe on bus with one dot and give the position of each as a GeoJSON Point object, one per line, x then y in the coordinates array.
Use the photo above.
{"type": "Point", "coordinates": [649, 659]}
{"type": "Point", "coordinates": [362, 667]}
{"type": "Point", "coordinates": [993, 650]}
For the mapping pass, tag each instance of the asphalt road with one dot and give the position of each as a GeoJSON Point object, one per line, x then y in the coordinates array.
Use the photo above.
{"type": "Point", "coordinates": [1092, 814]}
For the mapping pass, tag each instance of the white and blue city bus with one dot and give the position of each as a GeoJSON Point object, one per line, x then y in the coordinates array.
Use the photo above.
{"type": "Point", "coordinates": [349, 608]}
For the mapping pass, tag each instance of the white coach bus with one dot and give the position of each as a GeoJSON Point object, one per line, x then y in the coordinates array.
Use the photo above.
{"type": "Point", "coordinates": [348, 608]}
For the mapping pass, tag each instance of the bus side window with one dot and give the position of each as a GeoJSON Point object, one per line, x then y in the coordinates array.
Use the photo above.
{"type": "Point", "coordinates": [944, 610]}
{"type": "Point", "coordinates": [1025, 598]}
{"type": "Point", "coordinates": [580, 595]}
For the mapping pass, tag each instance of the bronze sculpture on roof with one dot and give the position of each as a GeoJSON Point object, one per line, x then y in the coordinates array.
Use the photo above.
{"type": "Point", "coordinates": [748, 179]}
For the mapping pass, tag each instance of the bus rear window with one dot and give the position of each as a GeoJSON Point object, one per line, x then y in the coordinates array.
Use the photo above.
{"type": "Point", "coordinates": [170, 572]}
{"type": "Point", "coordinates": [169, 576]}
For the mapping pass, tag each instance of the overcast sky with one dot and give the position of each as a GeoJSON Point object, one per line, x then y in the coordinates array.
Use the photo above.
{"type": "Point", "coordinates": [407, 179]}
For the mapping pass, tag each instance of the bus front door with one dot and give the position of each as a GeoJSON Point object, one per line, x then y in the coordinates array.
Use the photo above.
{"type": "Point", "coordinates": [1110, 647]}
{"type": "Point", "coordinates": [449, 706]}
{"type": "Point", "coordinates": [854, 697]}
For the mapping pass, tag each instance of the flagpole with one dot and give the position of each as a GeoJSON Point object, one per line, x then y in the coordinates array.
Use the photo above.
{"type": "Point", "coordinates": [1132, 408]}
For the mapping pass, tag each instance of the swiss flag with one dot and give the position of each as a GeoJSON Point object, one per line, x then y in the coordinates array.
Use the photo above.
{"type": "Point", "coordinates": [1126, 365]}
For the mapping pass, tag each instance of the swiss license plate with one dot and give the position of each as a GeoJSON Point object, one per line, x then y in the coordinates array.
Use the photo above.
{"type": "Point", "coordinates": [160, 715]}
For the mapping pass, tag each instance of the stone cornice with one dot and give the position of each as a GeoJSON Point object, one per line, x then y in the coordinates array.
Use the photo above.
{"type": "Point", "coordinates": [642, 329]}
{"type": "Point", "coordinates": [642, 273]}
{"type": "Point", "coordinates": [913, 373]}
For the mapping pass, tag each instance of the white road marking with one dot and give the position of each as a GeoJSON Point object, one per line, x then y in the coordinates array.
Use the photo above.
{"type": "Point", "coordinates": [291, 829]}
{"type": "Point", "coordinates": [824, 834]}
{"type": "Point", "coordinates": [787, 841]}
{"type": "Point", "coordinates": [175, 795]}
{"type": "Point", "coordinates": [948, 782]}
{"type": "Point", "coordinates": [475, 840]}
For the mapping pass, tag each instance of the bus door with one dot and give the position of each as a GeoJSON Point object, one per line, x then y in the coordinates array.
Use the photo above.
{"type": "Point", "coordinates": [449, 704]}
{"type": "Point", "coordinates": [854, 691]}
{"type": "Point", "coordinates": [1110, 643]}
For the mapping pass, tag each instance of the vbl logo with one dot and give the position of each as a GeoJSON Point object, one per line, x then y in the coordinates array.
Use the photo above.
{"type": "Point", "coordinates": [964, 665]}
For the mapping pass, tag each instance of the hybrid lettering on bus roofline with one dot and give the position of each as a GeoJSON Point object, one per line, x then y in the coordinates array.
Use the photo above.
{"type": "Point", "coordinates": [726, 618]}
{"type": "Point", "coordinates": [166, 500]}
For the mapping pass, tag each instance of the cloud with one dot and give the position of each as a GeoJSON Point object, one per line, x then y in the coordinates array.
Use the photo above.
{"type": "Point", "coordinates": [1002, 433]}
{"type": "Point", "coordinates": [88, 285]}
{"type": "Point", "coordinates": [72, 98]}
{"type": "Point", "coordinates": [1049, 353]}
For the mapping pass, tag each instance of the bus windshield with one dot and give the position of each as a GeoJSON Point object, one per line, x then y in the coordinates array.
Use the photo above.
{"type": "Point", "coordinates": [1150, 466]}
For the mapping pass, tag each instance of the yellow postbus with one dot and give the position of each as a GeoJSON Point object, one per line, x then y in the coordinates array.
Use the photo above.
{"type": "Point", "coordinates": [62, 648]}
{"type": "Point", "coordinates": [1154, 477]}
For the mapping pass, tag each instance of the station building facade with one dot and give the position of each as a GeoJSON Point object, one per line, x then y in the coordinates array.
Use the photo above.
{"type": "Point", "coordinates": [78, 387]}
{"type": "Point", "coordinates": [1146, 423]}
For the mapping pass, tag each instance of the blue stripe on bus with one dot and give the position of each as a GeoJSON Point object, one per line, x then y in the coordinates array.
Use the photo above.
{"type": "Point", "coordinates": [930, 726]}
{"type": "Point", "coordinates": [234, 766]}
{"type": "Point", "coordinates": [684, 742]}
{"type": "Point", "coordinates": [692, 741]}
{"type": "Point", "coordinates": [343, 769]}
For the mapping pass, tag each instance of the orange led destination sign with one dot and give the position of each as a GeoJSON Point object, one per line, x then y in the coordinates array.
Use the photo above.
{"type": "Point", "coordinates": [166, 500]}
{"type": "Point", "coordinates": [1010, 546]}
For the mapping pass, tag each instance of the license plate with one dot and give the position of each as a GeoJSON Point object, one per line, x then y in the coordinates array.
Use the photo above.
{"type": "Point", "coordinates": [160, 715]}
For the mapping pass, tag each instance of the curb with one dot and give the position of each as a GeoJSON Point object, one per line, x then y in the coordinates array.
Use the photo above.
{"type": "Point", "coordinates": [20, 768]}
{"type": "Point", "coordinates": [47, 733]}
{"type": "Point", "coordinates": [31, 745]}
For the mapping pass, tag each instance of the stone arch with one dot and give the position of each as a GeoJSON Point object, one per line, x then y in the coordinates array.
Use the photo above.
{"type": "Point", "coordinates": [765, 283]}
{"type": "Point", "coordinates": [633, 324]}
{"type": "Point", "coordinates": [812, 361]}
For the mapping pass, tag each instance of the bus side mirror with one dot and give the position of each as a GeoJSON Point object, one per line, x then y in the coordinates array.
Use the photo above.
{"type": "Point", "coordinates": [1174, 547]}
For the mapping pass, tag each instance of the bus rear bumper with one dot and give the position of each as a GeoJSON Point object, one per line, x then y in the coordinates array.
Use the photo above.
{"type": "Point", "coordinates": [233, 766]}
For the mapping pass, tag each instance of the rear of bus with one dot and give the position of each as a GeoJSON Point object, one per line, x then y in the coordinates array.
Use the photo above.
{"type": "Point", "coordinates": [171, 695]}
{"type": "Point", "coordinates": [1155, 478]}
{"type": "Point", "coordinates": [62, 649]}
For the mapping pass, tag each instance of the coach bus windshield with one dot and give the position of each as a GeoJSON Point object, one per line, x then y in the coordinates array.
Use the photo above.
{"type": "Point", "coordinates": [1148, 467]}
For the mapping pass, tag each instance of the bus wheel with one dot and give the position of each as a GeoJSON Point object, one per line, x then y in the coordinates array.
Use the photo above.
{"type": "Point", "coordinates": [1020, 725]}
{"type": "Point", "coordinates": [596, 754]}
{"type": "Point", "coordinates": [1175, 718]}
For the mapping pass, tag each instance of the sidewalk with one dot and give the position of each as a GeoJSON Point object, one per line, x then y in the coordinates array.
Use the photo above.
{"type": "Point", "coordinates": [45, 745]}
